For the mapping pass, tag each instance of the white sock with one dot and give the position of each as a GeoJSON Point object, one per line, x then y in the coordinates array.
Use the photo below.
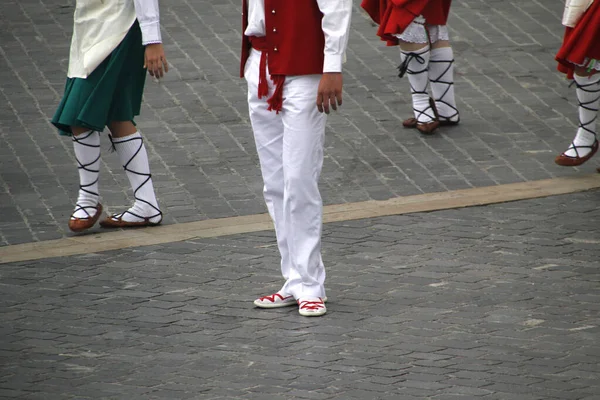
{"type": "Point", "coordinates": [415, 64]}
{"type": "Point", "coordinates": [588, 94]}
{"type": "Point", "coordinates": [87, 153]}
{"type": "Point", "coordinates": [134, 158]}
{"type": "Point", "coordinates": [441, 78]}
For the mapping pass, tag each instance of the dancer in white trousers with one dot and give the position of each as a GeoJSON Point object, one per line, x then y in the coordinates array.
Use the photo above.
{"type": "Point", "coordinates": [292, 55]}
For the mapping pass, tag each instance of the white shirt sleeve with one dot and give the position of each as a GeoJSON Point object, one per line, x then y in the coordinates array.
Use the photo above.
{"type": "Point", "coordinates": [336, 27]}
{"type": "Point", "coordinates": [256, 18]}
{"type": "Point", "coordinates": [148, 15]}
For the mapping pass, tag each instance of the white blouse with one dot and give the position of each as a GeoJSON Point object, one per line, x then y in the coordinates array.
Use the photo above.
{"type": "Point", "coordinates": [101, 25]}
{"type": "Point", "coordinates": [336, 27]}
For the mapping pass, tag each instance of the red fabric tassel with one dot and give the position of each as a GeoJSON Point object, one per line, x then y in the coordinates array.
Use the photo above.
{"type": "Point", "coordinates": [276, 100]}
{"type": "Point", "coordinates": [263, 86]}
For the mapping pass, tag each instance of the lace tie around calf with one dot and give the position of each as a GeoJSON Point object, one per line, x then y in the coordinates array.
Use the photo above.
{"type": "Point", "coordinates": [87, 154]}
{"type": "Point", "coordinates": [442, 87]}
{"type": "Point", "coordinates": [134, 158]}
{"type": "Point", "coordinates": [416, 66]}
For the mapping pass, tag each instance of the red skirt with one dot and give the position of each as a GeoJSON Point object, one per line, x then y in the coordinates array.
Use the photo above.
{"type": "Point", "coordinates": [394, 16]}
{"type": "Point", "coordinates": [582, 42]}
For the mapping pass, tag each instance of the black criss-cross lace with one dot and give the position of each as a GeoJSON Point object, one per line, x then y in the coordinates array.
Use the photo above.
{"type": "Point", "coordinates": [147, 175]}
{"type": "Point", "coordinates": [404, 69]}
{"type": "Point", "coordinates": [439, 80]}
{"type": "Point", "coordinates": [86, 167]}
{"type": "Point", "coordinates": [584, 125]}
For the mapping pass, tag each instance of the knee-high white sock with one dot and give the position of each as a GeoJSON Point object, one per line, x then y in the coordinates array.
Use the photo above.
{"type": "Point", "coordinates": [134, 158]}
{"type": "Point", "coordinates": [87, 153]}
{"type": "Point", "coordinates": [588, 95]}
{"type": "Point", "coordinates": [415, 65]}
{"type": "Point", "coordinates": [441, 78]}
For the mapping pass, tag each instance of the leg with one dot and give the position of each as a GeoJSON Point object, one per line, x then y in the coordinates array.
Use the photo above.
{"type": "Point", "coordinates": [414, 56]}
{"type": "Point", "coordinates": [303, 207]}
{"type": "Point", "coordinates": [441, 76]}
{"type": "Point", "coordinates": [86, 144]}
{"type": "Point", "coordinates": [585, 144]}
{"type": "Point", "coordinates": [129, 145]}
{"type": "Point", "coordinates": [268, 136]}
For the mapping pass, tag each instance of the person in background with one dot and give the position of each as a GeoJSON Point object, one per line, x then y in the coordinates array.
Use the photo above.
{"type": "Point", "coordinates": [579, 59]}
{"type": "Point", "coordinates": [114, 42]}
{"type": "Point", "coordinates": [419, 28]}
{"type": "Point", "coordinates": [292, 54]}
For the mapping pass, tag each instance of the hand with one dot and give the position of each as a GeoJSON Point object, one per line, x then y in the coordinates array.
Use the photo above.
{"type": "Point", "coordinates": [330, 91]}
{"type": "Point", "coordinates": [155, 60]}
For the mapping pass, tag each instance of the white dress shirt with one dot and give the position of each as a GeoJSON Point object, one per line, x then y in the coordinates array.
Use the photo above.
{"type": "Point", "coordinates": [336, 27]}
{"type": "Point", "coordinates": [101, 25]}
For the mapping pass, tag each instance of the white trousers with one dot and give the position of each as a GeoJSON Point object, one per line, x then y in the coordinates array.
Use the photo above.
{"type": "Point", "coordinates": [290, 149]}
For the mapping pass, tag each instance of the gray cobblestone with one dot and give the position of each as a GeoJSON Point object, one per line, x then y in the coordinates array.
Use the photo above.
{"type": "Point", "coordinates": [493, 302]}
{"type": "Point", "coordinates": [486, 326]}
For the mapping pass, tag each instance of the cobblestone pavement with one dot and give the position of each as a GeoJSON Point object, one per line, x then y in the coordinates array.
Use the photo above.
{"type": "Point", "coordinates": [497, 302]}
{"type": "Point", "coordinates": [517, 114]}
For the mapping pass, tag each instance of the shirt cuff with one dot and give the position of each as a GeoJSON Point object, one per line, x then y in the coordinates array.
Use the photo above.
{"type": "Point", "coordinates": [332, 63]}
{"type": "Point", "coordinates": [151, 33]}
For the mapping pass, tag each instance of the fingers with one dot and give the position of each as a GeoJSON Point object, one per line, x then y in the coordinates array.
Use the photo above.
{"type": "Point", "coordinates": [332, 101]}
{"type": "Point", "coordinates": [157, 66]}
{"type": "Point", "coordinates": [320, 102]}
{"type": "Point", "coordinates": [165, 63]}
{"type": "Point", "coordinates": [329, 101]}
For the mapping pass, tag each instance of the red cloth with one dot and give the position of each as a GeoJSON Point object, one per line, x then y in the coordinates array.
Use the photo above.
{"type": "Point", "coordinates": [394, 16]}
{"type": "Point", "coordinates": [294, 38]}
{"type": "Point", "coordinates": [581, 42]}
{"type": "Point", "coordinates": [276, 100]}
{"type": "Point", "coordinates": [294, 44]}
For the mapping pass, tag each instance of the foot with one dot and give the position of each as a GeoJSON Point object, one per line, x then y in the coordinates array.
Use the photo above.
{"type": "Point", "coordinates": [128, 219]}
{"type": "Point", "coordinates": [275, 301]}
{"type": "Point", "coordinates": [576, 155]}
{"type": "Point", "coordinates": [312, 307]}
{"type": "Point", "coordinates": [426, 128]}
{"type": "Point", "coordinates": [79, 223]}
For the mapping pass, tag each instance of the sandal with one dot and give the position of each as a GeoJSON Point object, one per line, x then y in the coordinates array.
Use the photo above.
{"type": "Point", "coordinates": [570, 161]}
{"type": "Point", "coordinates": [116, 221]}
{"type": "Point", "coordinates": [426, 128]}
{"type": "Point", "coordinates": [81, 224]}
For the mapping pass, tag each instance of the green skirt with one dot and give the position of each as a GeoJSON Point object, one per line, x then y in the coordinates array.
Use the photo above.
{"type": "Point", "coordinates": [113, 92]}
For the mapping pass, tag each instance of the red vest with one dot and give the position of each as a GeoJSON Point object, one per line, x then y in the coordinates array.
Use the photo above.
{"type": "Point", "coordinates": [394, 16]}
{"type": "Point", "coordinates": [294, 40]}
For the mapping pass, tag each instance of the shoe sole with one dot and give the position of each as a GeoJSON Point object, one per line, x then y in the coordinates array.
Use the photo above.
{"type": "Point", "coordinates": [312, 314]}
{"type": "Point", "coordinates": [275, 305]}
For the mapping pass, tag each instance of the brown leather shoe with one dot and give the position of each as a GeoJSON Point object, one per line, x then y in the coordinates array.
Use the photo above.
{"type": "Point", "coordinates": [425, 128]}
{"type": "Point", "coordinates": [428, 128]}
{"type": "Point", "coordinates": [81, 224]}
{"type": "Point", "coordinates": [410, 123]}
{"type": "Point", "coordinates": [568, 161]}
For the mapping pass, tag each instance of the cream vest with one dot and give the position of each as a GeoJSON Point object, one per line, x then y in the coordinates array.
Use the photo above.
{"type": "Point", "coordinates": [99, 27]}
{"type": "Point", "coordinates": [574, 10]}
